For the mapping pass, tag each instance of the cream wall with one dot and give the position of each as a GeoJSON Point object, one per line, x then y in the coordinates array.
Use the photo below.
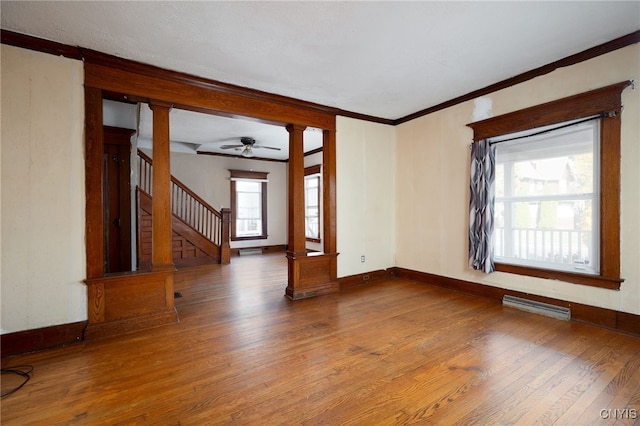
{"type": "Point", "coordinates": [365, 179]}
{"type": "Point", "coordinates": [433, 178]}
{"type": "Point", "coordinates": [402, 193]}
{"type": "Point", "coordinates": [208, 176]}
{"type": "Point", "coordinates": [43, 199]}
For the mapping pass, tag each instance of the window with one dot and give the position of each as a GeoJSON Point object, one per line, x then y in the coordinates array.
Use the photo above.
{"type": "Point", "coordinates": [248, 205]}
{"type": "Point", "coordinates": [568, 205]}
{"type": "Point", "coordinates": [311, 207]}
{"type": "Point", "coordinates": [312, 203]}
{"type": "Point", "coordinates": [546, 206]}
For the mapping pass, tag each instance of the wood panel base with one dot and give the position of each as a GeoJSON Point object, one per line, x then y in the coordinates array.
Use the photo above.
{"type": "Point", "coordinates": [42, 338]}
{"type": "Point", "coordinates": [127, 302]}
{"type": "Point", "coordinates": [602, 317]}
{"type": "Point", "coordinates": [311, 275]}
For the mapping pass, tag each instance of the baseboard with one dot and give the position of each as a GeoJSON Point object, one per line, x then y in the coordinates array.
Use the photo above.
{"type": "Point", "coordinates": [42, 338]}
{"type": "Point", "coordinates": [358, 280]}
{"type": "Point", "coordinates": [265, 249]}
{"type": "Point", "coordinates": [602, 317]}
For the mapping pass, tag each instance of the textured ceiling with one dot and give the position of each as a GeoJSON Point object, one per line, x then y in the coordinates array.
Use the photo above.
{"type": "Point", "coordinates": [383, 59]}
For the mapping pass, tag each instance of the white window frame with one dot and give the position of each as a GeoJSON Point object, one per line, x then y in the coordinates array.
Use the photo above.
{"type": "Point", "coordinates": [537, 144]}
{"type": "Point", "coordinates": [307, 217]}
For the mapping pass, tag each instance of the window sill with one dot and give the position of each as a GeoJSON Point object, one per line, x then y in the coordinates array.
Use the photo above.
{"type": "Point", "coordinates": [313, 240]}
{"type": "Point", "coordinates": [256, 237]}
{"type": "Point", "coordinates": [572, 277]}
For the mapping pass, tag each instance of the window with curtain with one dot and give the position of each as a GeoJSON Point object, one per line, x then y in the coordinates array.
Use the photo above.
{"type": "Point", "coordinates": [248, 205]}
{"type": "Point", "coordinates": [547, 204]}
{"type": "Point", "coordinates": [546, 211]}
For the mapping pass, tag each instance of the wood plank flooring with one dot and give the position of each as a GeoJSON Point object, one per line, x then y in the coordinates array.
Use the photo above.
{"type": "Point", "coordinates": [394, 352]}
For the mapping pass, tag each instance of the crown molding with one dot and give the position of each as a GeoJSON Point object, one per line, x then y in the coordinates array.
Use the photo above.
{"type": "Point", "coordinates": [591, 53]}
{"type": "Point", "coordinates": [99, 58]}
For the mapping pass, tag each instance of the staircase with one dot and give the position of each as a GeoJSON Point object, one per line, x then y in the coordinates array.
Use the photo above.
{"type": "Point", "coordinates": [200, 232]}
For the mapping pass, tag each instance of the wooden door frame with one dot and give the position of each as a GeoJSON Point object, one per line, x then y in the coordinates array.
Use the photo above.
{"type": "Point", "coordinates": [121, 138]}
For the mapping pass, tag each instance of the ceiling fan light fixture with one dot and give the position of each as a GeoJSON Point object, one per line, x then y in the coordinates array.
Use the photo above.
{"type": "Point", "coordinates": [247, 152]}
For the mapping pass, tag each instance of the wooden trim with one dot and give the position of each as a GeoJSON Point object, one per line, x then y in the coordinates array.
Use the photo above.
{"type": "Point", "coordinates": [311, 274]}
{"type": "Point", "coordinates": [610, 154]}
{"type": "Point", "coordinates": [313, 151]}
{"type": "Point", "coordinates": [295, 205]}
{"type": "Point", "coordinates": [265, 249]}
{"type": "Point", "coordinates": [313, 170]}
{"type": "Point", "coordinates": [247, 174]}
{"type": "Point", "coordinates": [606, 100]}
{"type": "Point", "coordinates": [190, 95]}
{"type": "Point", "coordinates": [585, 55]}
{"type": "Point", "coordinates": [120, 135]}
{"type": "Point", "coordinates": [225, 249]}
{"type": "Point", "coordinates": [94, 224]}
{"type": "Point", "coordinates": [129, 301]}
{"type": "Point", "coordinates": [117, 180]}
{"type": "Point", "coordinates": [161, 252]}
{"type": "Point", "coordinates": [39, 45]}
{"type": "Point", "coordinates": [91, 56]}
{"type": "Point", "coordinates": [95, 57]}
{"type": "Point", "coordinates": [220, 154]}
{"type": "Point", "coordinates": [329, 192]}
{"type": "Point", "coordinates": [364, 278]}
{"type": "Point", "coordinates": [38, 339]}
{"type": "Point", "coordinates": [602, 281]}
{"type": "Point", "coordinates": [603, 100]}
{"type": "Point", "coordinates": [601, 317]}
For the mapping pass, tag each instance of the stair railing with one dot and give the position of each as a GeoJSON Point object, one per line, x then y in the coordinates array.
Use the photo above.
{"type": "Point", "coordinates": [190, 208]}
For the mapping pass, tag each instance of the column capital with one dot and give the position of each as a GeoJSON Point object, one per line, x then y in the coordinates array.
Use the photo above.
{"type": "Point", "coordinates": [153, 103]}
{"type": "Point", "coordinates": [295, 127]}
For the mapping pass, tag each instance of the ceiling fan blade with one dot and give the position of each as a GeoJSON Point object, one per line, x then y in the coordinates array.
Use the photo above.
{"type": "Point", "coordinates": [267, 147]}
{"type": "Point", "coordinates": [231, 146]}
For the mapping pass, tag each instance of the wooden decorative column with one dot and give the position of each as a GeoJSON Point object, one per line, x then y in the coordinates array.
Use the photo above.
{"type": "Point", "coordinates": [329, 191]}
{"type": "Point", "coordinates": [309, 274]}
{"type": "Point", "coordinates": [161, 254]}
{"type": "Point", "coordinates": [297, 240]}
{"type": "Point", "coordinates": [123, 302]}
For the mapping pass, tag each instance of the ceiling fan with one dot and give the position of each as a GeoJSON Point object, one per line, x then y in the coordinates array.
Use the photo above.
{"type": "Point", "coordinates": [247, 146]}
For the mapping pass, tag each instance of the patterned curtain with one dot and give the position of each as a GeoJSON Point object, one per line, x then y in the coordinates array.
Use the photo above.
{"type": "Point", "coordinates": [483, 163]}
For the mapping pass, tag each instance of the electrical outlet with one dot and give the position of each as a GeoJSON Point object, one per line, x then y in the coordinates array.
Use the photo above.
{"type": "Point", "coordinates": [365, 278]}
{"type": "Point", "coordinates": [362, 259]}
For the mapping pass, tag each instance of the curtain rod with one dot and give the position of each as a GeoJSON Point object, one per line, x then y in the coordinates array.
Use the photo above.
{"type": "Point", "coordinates": [593, 117]}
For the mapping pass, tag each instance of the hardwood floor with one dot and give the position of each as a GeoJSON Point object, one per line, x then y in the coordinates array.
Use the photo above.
{"type": "Point", "coordinates": [394, 352]}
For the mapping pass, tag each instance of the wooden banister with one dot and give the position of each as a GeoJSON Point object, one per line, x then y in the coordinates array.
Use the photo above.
{"type": "Point", "coordinates": [191, 208]}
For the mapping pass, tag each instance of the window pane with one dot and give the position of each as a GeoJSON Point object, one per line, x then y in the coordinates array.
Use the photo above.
{"type": "Point", "coordinates": [559, 175]}
{"type": "Point", "coordinates": [248, 208]}
{"type": "Point", "coordinates": [499, 182]}
{"type": "Point", "coordinates": [248, 186]}
{"type": "Point", "coordinates": [311, 202]}
{"type": "Point", "coordinates": [546, 207]}
{"type": "Point", "coordinates": [249, 205]}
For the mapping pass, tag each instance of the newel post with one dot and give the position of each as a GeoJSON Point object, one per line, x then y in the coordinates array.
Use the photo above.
{"type": "Point", "coordinates": [225, 249]}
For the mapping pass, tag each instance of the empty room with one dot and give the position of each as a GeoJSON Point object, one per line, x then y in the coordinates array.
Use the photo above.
{"type": "Point", "coordinates": [320, 213]}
